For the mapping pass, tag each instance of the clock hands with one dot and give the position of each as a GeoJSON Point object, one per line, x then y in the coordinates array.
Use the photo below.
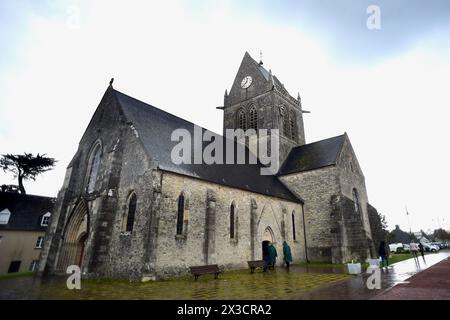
{"type": "Point", "coordinates": [246, 82]}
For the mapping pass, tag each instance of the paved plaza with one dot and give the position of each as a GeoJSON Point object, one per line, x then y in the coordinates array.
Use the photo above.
{"type": "Point", "coordinates": [421, 279]}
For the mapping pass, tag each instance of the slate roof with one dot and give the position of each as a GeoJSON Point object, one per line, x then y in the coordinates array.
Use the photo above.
{"type": "Point", "coordinates": [26, 210]}
{"type": "Point", "coordinates": [314, 155]}
{"type": "Point", "coordinates": [266, 75]}
{"type": "Point", "coordinates": [154, 128]}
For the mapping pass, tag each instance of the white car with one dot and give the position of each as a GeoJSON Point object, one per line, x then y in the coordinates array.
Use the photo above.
{"type": "Point", "coordinates": [430, 247]}
{"type": "Point", "coordinates": [394, 246]}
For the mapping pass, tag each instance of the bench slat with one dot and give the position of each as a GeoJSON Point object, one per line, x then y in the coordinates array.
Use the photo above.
{"type": "Point", "coordinates": [199, 270]}
{"type": "Point", "coordinates": [255, 264]}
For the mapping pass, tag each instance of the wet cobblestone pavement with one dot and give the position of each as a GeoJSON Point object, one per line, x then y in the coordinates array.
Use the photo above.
{"type": "Point", "coordinates": [355, 288]}
{"type": "Point", "coordinates": [274, 284]}
{"type": "Point", "coordinates": [308, 283]}
{"type": "Point", "coordinates": [433, 283]}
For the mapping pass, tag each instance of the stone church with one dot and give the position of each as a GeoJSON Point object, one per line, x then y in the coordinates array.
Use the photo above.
{"type": "Point", "coordinates": [125, 210]}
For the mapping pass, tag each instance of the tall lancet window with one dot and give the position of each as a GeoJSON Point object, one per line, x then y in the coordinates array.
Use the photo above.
{"type": "Point", "coordinates": [232, 220]}
{"type": "Point", "coordinates": [242, 119]}
{"type": "Point", "coordinates": [355, 200]}
{"type": "Point", "coordinates": [93, 168]}
{"type": "Point", "coordinates": [293, 127]}
{"type": "Point", "coordinates": [294, 233]}
{"type": "Point", "coordinates": [131, 212]}
{"type": "Point", "coordinates": [285, 122]}
{"type": "Point", "coordinates": [253, 118]}
{"type": "Point", "coordinates": [180, 214]}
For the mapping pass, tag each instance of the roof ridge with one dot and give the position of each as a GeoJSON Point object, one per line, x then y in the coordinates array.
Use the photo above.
{"type": "Point", "coordinates": [27, 195]}
{"type": "Point", "coordinates": [318, 141]}
{"type": "Point", "coordinates": [155, 125]}
{"type": "Point", "coordinates": [163, 111]}
{"type": "Point", "coordinates": [314, 155]}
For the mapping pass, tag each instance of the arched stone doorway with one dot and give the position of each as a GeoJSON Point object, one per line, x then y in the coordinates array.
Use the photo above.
{"type": "Point", "coordinates": [74, 238]}
{"type": "Point", "coordinates": [81, 244]}
{"type": "Point", "coordinates": [267, 238]}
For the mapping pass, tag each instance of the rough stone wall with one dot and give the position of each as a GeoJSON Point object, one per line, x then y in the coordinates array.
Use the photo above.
{"type": "Point", "coordinates": [349, 240]}
{"type": "Point", "coordinates": [206, 233]}
{"type": "Point", "coordinates": [127, 250]}
{"type": "Point", "coordinates": [122, 166]}
{"type": "Point", "coordinates": [316, 188]}
{"type": "Point", "coordinates": [350, 177]}
{"type": "Point", "coordinates": [259, 84]}
{"type": "Point", "coordinates": [268, 107]}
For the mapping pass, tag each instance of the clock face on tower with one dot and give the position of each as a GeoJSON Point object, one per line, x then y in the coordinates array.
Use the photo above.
{"type": "Point", "coordinates": [246, 82]}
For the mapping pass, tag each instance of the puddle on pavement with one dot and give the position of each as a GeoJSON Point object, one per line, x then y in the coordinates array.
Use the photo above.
{"type": "Point", "coordinates": [274, 284]}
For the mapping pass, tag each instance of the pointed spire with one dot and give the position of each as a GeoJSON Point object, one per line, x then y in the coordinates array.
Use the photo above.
{"type": "Point", "coordinates": [271, 78]}
{"type": "Point", "coordinates": [111, 82]}
{"type": "Point", "coordinates": [225, 98]}
{"type": "Point", "coordinates": [260, 58]}
{"type": "Point", "coordinates": [299, 99]}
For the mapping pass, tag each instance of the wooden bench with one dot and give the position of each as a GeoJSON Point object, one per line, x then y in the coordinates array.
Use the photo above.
{"type": "Point", "coordinates": [255, 264]}
{"type": "Point", "coordinates": [197, 271]}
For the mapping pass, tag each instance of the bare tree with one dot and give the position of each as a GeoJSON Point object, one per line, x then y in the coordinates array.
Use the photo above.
{"type": "Point", "coordinates": [26, 166]}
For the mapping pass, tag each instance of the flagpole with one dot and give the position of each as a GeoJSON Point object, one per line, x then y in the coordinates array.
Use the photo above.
{"type": "Point", "coordinates": [409, 224]}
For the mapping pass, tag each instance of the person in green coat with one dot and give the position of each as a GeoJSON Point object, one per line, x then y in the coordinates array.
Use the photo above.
{"type": "Point", "coordinates": [287, 254]}
{"type": "Point", "coordinates": [272, 255]}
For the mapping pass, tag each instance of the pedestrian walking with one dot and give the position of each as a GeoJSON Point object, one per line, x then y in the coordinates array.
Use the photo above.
{"type": "Point", "coordinates": [272, 255]}
{"type": "Point", "coordinates": [413, 248]}
{"type": "Point", "coordinates": [384, 254]}
{"type": "Point", "coordinates": [422, 251]}
{"type": "Point", "coordinates": [287, 256]}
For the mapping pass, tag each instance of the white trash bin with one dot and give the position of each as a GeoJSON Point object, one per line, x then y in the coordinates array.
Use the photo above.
{"type": "Point", "coordinates": [354, 268]}
{"type": "Point", "coordinates": [374, 262]}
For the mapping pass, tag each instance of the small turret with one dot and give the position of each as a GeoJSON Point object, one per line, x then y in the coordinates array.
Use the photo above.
{"type": "Point", "coordinates": [225, 98]}
{"type": "Point", "coordinates": [271, 78]}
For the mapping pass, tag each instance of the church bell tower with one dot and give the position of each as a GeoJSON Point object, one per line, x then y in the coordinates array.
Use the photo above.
{"type": "Point", "coordinates": [258, 100]}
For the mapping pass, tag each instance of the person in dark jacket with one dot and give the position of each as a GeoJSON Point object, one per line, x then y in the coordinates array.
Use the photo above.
{"type": "Point", "coordinates": [384, 254]}
{"type": "Point", "coordinates": [287, 254]}
{"type": "Point", "coordinates": [272, 255]}
{"type": "Point", "coordinates": [266, 257]}
{"type": "Point", "coordinates": [422, 251]}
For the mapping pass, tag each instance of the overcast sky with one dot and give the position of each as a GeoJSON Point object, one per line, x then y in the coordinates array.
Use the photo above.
{"type": "Point", "coordinates": [388, 88]}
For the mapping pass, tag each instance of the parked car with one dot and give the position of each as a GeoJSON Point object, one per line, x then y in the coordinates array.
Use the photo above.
{"type": "Point", "coordinates": [430, 247]}
{"type": "Point", "coordinates": [394, 246]}
{"type": "Point", "coordinates": [406, 247]}
{"type": "Point", "coordinates": [439, 244]}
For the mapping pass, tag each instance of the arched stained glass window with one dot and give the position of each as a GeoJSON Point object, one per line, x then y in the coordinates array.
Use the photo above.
{"type": "Point", "coordinates": [131, 212]}
{"type": "Point", "coordinates": [242, 118]}
{"type": "Point", "coordinates": [232, 220]}
{"type": "Point", "coordinates": [253, 118]}
{"type": "Point", "coordinates": [180, 214]}
{"type": "Point", "coordinates": [94, 167]}
{"type": "Point", "coordinates": [355, 200]}
{"type": "Point", "coordinates": [285, 122]}
{"type": "Point", "coordinates": [293, 127]}
{"type": "Point", "coordinates": [294, 235]}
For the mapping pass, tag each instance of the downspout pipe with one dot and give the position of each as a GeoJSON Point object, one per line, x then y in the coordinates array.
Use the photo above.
{"type": "Point", "coordinates": [304, 233]}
